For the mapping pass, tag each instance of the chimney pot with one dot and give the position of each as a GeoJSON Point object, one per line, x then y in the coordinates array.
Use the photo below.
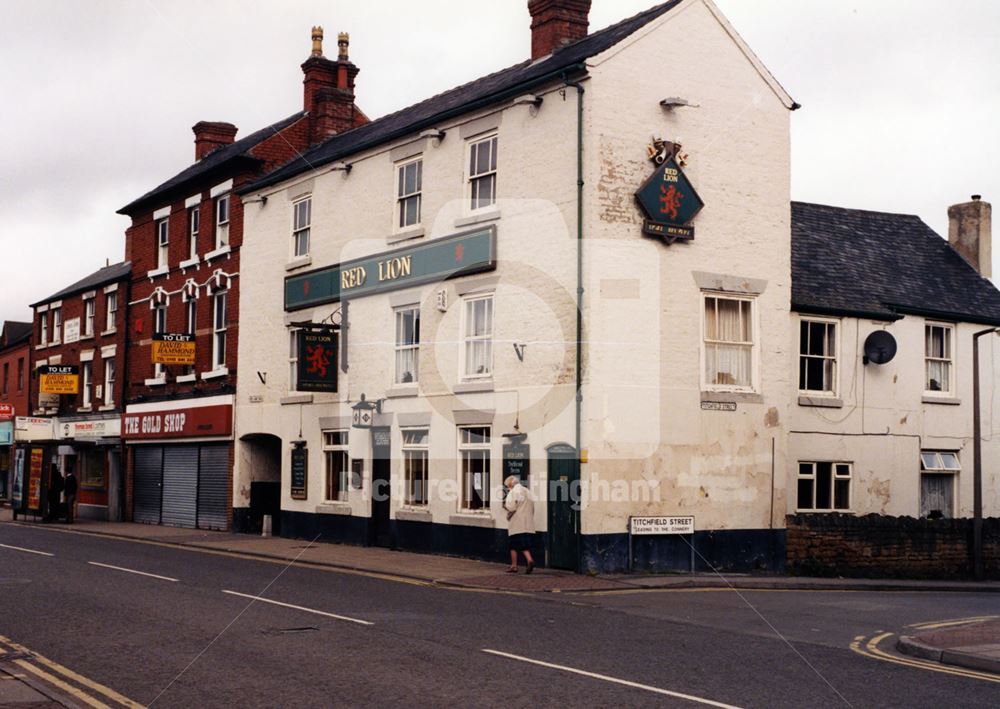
{"type": "Point", "coordinates": [328, 91]}
{"type": "Point", "coordinates": [555, 23]}
{"type": "Point", "coordinates": [317, 40]}
{"type": "Point", "coordinates": [343, 41]}
{"type": "Point", "coordinates": [969, 233]}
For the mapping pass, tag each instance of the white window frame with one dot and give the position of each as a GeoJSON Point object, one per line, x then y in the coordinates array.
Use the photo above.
{"type": "Point", "coordinates": [475, 177]}
{"type": "Point", "coordinates": [466, 446]}
{"type": "Point", "coordinates": [194, 226]}
{"type": "Point", "coordinates": [940, 462]}
{"type": "Point", "coordinates": [753, 344]}
{"type": "Point", "coordinates": [401, 348]}
{"type": "Point", "coordinates": [159, 326]}
{"type": "Point", "coordinates": [840, 470]}
{"type": "Point", "coordinates": [56, 326]}
{"type": "Point", "coordinates": [109, 381]}
{"type": "Point", "coordinates": [411, 451]}
{"type": "Point", "coordinates": [89, 315]}
{"type": "Point", "coordinates": [43, 334]}
{"type": "Point", "coordinates": [110, 311]}
{"type": "Point", "coordinates": [162, 243]}
{"type": "Point", "coordinates": [86, 375]}
{"type": "Point", "coordinates": [830, 356]}
{"type": "Point", "coordinates": [468, 306]}
{"type": "Point", "coordinates": [333, 446]}
{"type": "Point", "coordinates": [301, 227]}
{"type": "Point", "coordinates": [405, 197]}
{"type": "Point", "coordinates": [222, 212]}
{"type": "Point", "coordinates": [220, 324]}
{"type": "Point", "coordinates": [293, 360]}
{"type": "Point", "coordinates": [948, 360]}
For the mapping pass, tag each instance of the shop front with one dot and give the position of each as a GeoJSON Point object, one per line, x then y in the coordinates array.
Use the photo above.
{"type": "Point", "coordinates": [180, 462]}
{"type": "Point", "coordinates": [34, 461]}
{"type": "Point", "coordinates": [90, 448]}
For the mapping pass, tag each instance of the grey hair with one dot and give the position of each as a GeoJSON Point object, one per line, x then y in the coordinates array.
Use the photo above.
{"type": "Point", "coordinates": [511, 479]}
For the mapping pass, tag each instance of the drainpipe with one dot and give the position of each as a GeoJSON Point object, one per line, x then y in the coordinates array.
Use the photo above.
{"type": "Point", "coordinates": [579, 285]}
{"type": "Point", "coordinates": [123, 466]}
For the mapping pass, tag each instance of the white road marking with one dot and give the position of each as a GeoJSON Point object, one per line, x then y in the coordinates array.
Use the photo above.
{"type": "Point", "coordinates": [614, 680]}
{"type": "Point", "coordinates": [30, 551]}
{"type": "Point", "coordinates": [299, 608]}
{"type": "Point", "coordinates": [131, 571]}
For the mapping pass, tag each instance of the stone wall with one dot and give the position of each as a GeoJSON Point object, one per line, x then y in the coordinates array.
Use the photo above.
{"type": "Point", "coordinates": [880, 546]}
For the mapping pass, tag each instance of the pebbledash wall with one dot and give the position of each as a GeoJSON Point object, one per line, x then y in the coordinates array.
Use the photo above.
{"type": "Point", "coordinates": [654, 437]}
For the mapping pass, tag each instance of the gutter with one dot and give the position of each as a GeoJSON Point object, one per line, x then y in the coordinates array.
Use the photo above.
{"type": "Point", "coordinates": [430, 122]}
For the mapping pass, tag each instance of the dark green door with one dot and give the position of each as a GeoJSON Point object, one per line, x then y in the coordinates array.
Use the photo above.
{"type": "Point", "coordinates": [564, 513]}
{"type": "Point", "coordinates": [381, 529]}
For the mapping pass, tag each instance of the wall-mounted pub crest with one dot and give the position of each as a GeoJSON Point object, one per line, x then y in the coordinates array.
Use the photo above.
{"type": "Point", "coordinates": [667, 197]}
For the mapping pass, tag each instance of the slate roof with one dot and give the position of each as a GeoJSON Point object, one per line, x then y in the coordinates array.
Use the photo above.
{"type": "Point", "coordinates": [490, 89]}
{"type": "Point", "coordinates": [212, 162]}
{"type": "Point", "coordinates": [104, 276]}
{"type": "Point", "coordinates": [882, 266]}
{"type": "Point", "coordinates": [14, 332]}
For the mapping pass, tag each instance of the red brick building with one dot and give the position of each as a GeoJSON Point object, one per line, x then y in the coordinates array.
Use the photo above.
{"type": "Point", "coordinates": [15, 343]}
{"type": "Point", "coordinates": [184, 245]}
{"type": "Point", "coordinates": [81, 330]}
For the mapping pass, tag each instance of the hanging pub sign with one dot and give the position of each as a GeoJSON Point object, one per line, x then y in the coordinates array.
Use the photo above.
{"type": "Point", "coordinates": [59, 379]}
{"type": "Point", "coordinates": [517, 460]}
{"type": "Point", "coordinates": [667, 197]}
{"type": "Point", "coordinates": [300, 471]}
{"type": "Point", "coordinates": [173, 348]}
{"type": "Point", "coordinates": [317, 366]}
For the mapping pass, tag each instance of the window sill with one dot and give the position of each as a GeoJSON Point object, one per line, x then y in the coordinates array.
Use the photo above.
{"type": "Point", "coordinates": [405, 235]}
{"type": "Point", "coordinates": [42, 346]}
{"type": "Point", "coordinates": [488, 214]}
{"type": "Point", "coordinates": [299, 262]}
{"type": "Point", "coordinates": [296, 399]}
{"type": "Point", "coordinates": [112, 331]}
{"type": "Point", "coordinates": [402, 390]}
{"type": "Point", "coordinates": [155, 382]}
{"type": "Point", "coordinates": [87, 337]}
{"type": "Point", "coordinates": [473, 519]}
{"type": "Point", "coordinates": [221, 251]}
{"type": "Point", "coordinates": [85, 409]}
{"type": "Point", "coordinates": [473, 386]}
{"type": "Point", "coordinates": [106, 407]}
{"type": "Point", "coordinates": [162, 271]}
{"type": "Point", "coordinates": [190, 263]}
{"type": "Point", "coordinates": [746, 397]}
{"type": "Point", "coordinates": [334, 508]}
{"type": "Point", "coordinates": [414, 514]}
{"type": "Point", "coordinates": [830, 402]}
{"type": "Point", "coordinates": [184, 378]}
{"type": "Point", "coordinates": [946, 400]}
{"type": "Point", "coordinates": [216, 373]}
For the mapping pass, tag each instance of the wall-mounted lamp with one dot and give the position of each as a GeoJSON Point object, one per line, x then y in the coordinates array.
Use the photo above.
{"type": "Point", "coordinates": [528, 100]}
{"type": "Point", "coordinates": [364, 412]}
{"type": "Point", "coordinates": [341, 166]}
{"type": "Point", "coordinates": [262, 200]}
{"type": "Point", "coordinates": [673, 102]}
{"type": "Point", "coordinates": [435, 133]}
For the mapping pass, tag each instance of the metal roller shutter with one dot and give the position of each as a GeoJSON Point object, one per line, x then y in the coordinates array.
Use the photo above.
{"type": "Point", "coordinates": [148, 463]}
{"type": "Point", "coordinates": [180, 485]}
{"type": "Point", "coordinates": [213, 487]}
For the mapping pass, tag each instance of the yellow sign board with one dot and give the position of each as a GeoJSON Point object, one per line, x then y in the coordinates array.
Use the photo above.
{"type": "Point", "coordinates": [169, 348]}
{"type": "Point", "coordinates": [58, 379]}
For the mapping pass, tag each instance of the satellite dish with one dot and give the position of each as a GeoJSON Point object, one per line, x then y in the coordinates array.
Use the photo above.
{"type": "Point", "coordinates": [880, 347]}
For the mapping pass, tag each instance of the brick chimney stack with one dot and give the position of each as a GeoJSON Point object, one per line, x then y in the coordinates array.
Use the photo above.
{"type": "Point", "coordinates": [555, 23]}
{"type": "Point", "coordinates": [328, 95]}
{"type": "Point", "coordinates": [969, 233]}
{"type": "Point", "coordinates": [209, 135]}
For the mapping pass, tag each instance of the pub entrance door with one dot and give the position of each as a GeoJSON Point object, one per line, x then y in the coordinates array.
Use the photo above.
{"type": "Point", "coordinates": [563, 507]}
{"type": "Point", "coordinates": [381, 527]}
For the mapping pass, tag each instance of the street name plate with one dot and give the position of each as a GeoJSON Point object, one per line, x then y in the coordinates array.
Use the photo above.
{"type": "Point", "coordinates": [661, 525]}
{"type": "Point", "coordinates": [718, 406]}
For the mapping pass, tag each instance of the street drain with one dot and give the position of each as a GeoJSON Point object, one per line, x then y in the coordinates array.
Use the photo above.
{"type": "Point", "coordinates": [289, 631]}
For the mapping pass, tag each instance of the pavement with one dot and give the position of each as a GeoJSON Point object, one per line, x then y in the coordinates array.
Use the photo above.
{"type": "Point", "coordinates": [974, 645]}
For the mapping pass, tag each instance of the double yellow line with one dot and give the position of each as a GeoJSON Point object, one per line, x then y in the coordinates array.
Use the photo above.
{"type": "Point", "coordinates": [870, 649]}
{"type": "Point", "coordinates": [65, 679]}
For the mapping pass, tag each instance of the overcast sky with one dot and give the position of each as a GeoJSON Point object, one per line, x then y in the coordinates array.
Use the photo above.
{"type": "Point", "coordinates": [901, 98]}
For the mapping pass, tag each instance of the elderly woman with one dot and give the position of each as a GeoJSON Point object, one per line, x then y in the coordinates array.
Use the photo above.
{"type": "Point", "coordinates": [520, 522]}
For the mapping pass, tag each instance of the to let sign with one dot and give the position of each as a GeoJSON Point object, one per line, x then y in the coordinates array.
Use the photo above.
{"type": "Point", "coordinates": [661, 525]}
{"type": "Point", "coordinates": [173, 348]}
{"type": "Point", "coordinates": [317, 369]}
{"type": "Point", "coordinates": [179, 423]}
{"type": "Point", "coordinates": [59, 379]}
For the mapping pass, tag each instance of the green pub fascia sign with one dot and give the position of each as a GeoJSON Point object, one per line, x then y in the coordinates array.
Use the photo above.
{"type": "Point", "coordinates": [431, 261]}
{"type": "Point", "coordinates": [668, 198]}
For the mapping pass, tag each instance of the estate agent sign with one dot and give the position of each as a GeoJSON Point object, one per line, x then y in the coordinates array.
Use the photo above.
{"type": "Point", "coordinates": [667, 197]}
{"type": "Point", "coordinates": [59, 379]}
{"type": "Point", "coordinates": [173, 348]}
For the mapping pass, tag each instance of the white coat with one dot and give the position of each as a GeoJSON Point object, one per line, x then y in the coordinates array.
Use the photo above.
{"type": "Point", "coordinates": [520, 502]}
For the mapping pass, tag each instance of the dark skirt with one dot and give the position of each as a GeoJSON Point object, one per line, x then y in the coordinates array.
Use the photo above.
{"type": "Point", "coordinates": [521, 542]}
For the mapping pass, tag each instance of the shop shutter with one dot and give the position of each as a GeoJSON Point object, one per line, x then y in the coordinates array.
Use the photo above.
{"type": "Point", "coordinates": [180, 485]}
{"type": "Point", "coordinates": [213, 487]}
{"type": "Point", "coordinates": [148, 462]}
